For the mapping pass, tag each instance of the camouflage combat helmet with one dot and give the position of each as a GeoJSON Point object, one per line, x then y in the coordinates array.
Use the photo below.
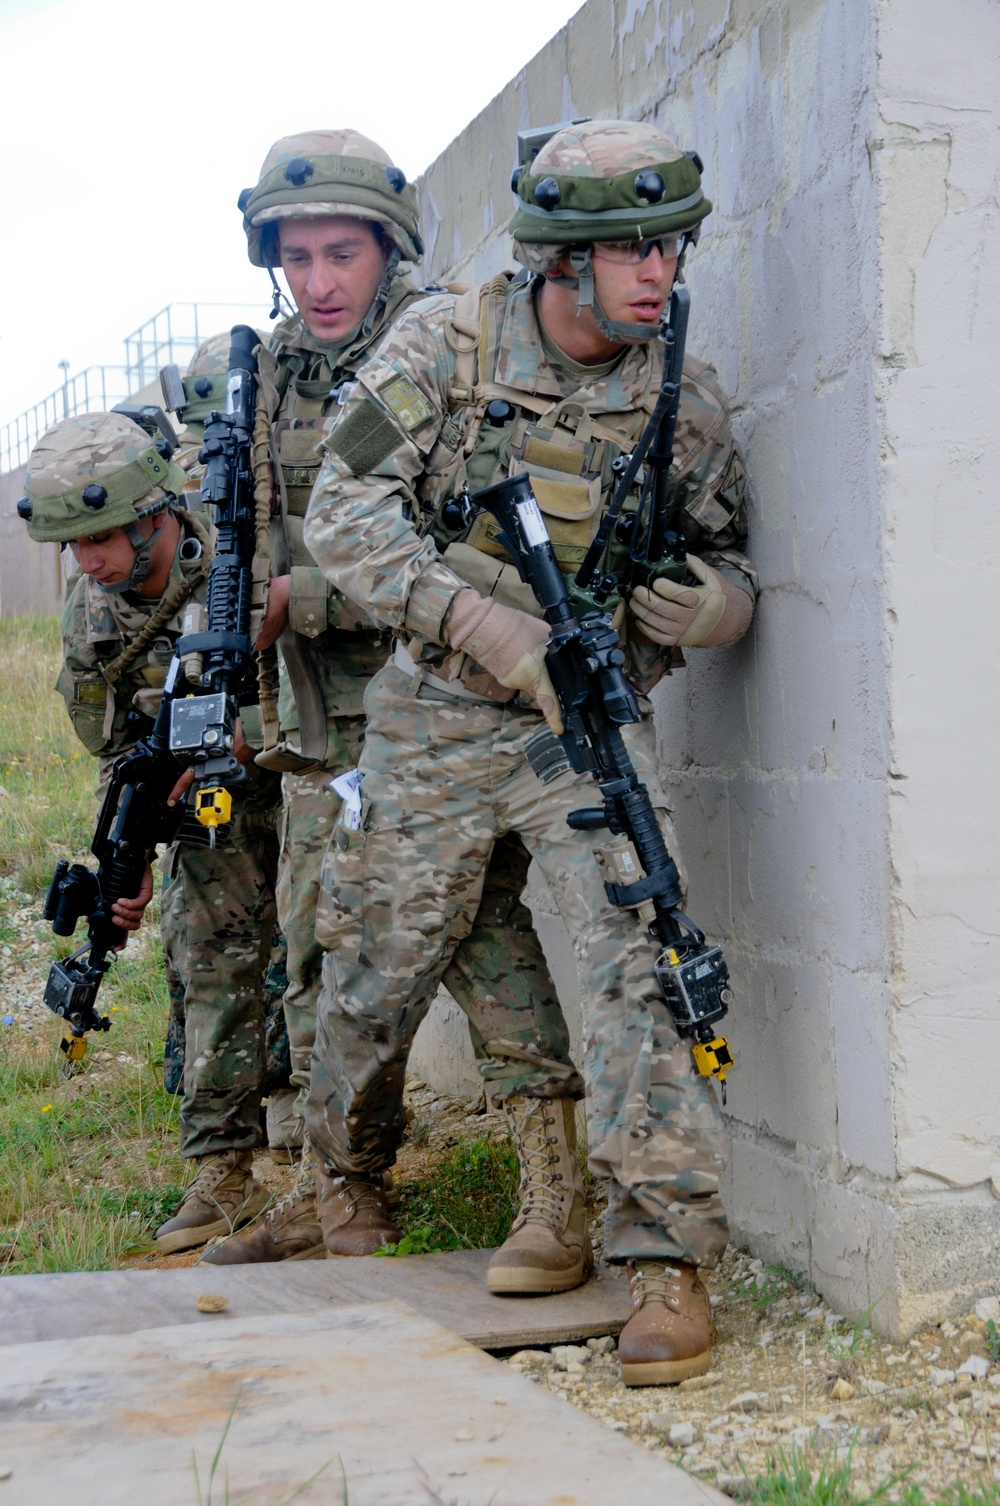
{"type": "Point", "coordinates": [324, 173]}
{"type": "Point", "coordinates": [205, 382]}
{"type": "Point", "coordinates": [602, 180]}
{"type": "Point", "coordinates": [96, 472]}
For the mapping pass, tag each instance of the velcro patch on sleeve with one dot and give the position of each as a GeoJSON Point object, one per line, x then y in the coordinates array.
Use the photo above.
{"type": "Point", "coordinates": [733, 485]}
{"type": "Point", "coordinates": [91, 693]}
{"type": "Point", "coordinates": [405, 399]}
{"type": "Point", "coordinates": [364, 438]}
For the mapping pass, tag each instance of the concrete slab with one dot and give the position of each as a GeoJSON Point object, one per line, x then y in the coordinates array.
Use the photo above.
{"type": "Point", "coordinates": [411, 1413]}
{"type": "Point", "coordinates": [448, 1288]}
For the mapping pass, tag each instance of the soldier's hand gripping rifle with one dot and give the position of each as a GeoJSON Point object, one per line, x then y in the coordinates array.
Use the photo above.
{"type": "Point", "coordinates": [199, 729]}
{"type": "Point", "coordinates": [586, 662]}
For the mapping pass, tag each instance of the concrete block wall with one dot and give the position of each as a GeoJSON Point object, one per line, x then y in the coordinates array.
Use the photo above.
{"type": "Point", "coordinates": [833, 775]}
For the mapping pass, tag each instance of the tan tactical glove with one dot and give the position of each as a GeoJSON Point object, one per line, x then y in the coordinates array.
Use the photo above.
{"type": "Point", "coordinates": [677, 614]}
{"type": "Point", "coordinates": [509, 644]}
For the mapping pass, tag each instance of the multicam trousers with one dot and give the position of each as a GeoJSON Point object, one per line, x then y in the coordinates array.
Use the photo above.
{"type": "Point", "coordinates": [217, 922]}
{"type": "Point", "coordinates": [444, 779]}
{"type": "Point", "coordinates": [498, 975]}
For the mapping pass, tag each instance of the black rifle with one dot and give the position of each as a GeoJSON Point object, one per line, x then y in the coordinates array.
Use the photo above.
{"type": "Point", "coordinates": [191, 727]}
{"type": "Point", "coordinates": [656, 532]}
{"type": "Point", "coordinates": [585, 661]}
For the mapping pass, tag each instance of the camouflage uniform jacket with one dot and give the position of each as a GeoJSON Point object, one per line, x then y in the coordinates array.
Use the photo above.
{"type": "Point", "coordinates": [112, 703]}
{"type": "Point", "coordinates": [399, 448]}
{"type": "Point", "coordinates": [302, 382]}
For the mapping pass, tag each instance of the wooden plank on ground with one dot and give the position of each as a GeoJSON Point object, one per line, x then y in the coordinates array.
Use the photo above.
{"type": "Point", "coordinates": [412, 1413]}
{"type": "Point", "coordinates": [450, 1288]}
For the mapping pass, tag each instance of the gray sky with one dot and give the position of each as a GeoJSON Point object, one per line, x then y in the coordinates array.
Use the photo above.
{"type": "Point", "coordinates": [127, 131]}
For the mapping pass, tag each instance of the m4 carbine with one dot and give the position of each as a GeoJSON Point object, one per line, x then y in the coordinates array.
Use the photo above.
{"type": "Point", "coordinates": [585, 662]}
{"type": "Point", "coordinates": [195, 726]}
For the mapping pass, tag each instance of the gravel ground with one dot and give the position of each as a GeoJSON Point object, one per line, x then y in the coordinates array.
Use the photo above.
{"type": "Point", "coordinates": [788, 1372]}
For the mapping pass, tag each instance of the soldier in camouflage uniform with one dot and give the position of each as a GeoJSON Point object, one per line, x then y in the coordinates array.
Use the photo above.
{"type": "Point", "coordinates": [97, 483]}
{"type": "Point", "coordinates": [339, 218]}
{"type": "Point", "coordinates": [563, 373]}
{"type": "Point", "coordinates": [204, 389]}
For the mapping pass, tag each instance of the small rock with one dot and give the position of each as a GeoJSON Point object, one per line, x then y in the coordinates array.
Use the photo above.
{"type": "Point", "coordinates": [532, 1359]}
{"type": "Point", "coordinates": [976, 1366]}
{"type": "Point", "coordinates": [601, 1346]}
{"type": "Point", "coordinates": [833, 1319]}
{"type": "Point", "coordinates": [499, 1401]}
{"type": "Point", "coordinates": [987, 1310]}
{"type": "Point", "coordinates": [210, 1302]}
{"type": "Point", "coordinates": [739, 1487]}
{"type": "Point", "coordinates": [749, 1401]}
{"type": "Point", "coordinates": [567, 1356]}
{"type": "Point", "coordinates": [942, 1377]}
{"type": "Point", "coordinates": [681, 1435]}
{"type": "Point", "coordinates": [463, 1436]}
{"type": "Point", "coordinates": [873, 1388]}
{"type": "Point", "coordinates": [662, 1422]}
{"type": "Point", "coordinates": [973, 1336]}
{"type": "Point", "coordinates": [842, 1390]}
{"type": "Point", "coordinates": [715, 1299]}
{"type": "Point", "coordinates": [948, 1329]}
{"type": "Point", "coordinates": [701, 1382]}
{"type": "Point", "coordinates": [979, 1451]}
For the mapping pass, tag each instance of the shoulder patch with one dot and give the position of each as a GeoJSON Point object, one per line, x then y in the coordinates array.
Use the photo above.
{"type": "Point", "coordinates": [364, 437]}
{"type": "Point", "coordinates": [405, 399]}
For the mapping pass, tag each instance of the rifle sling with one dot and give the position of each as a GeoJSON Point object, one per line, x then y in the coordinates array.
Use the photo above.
{"type": "Point", "coordinates": [295, 646]}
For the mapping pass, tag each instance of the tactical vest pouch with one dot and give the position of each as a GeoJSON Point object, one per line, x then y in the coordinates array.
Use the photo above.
{"type": "Point", "coordinates": [490, 577]}
{"type": "Point", "coordinates": [285, 758]}
{"type": "Point", "coordinates": [88, 709]}
{"type": "Point", "coordinates": [299, 465]}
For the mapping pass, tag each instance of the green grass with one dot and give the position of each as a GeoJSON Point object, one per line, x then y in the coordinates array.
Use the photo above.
{"type": "Point", "coordinates": [469, 1204]}
{"type": "Point", "coordinates": [48, 806]}
{"type": "Point", "coordinates": [793, 1479]}
{"type": "Point", "coordinates": [88, 1166]}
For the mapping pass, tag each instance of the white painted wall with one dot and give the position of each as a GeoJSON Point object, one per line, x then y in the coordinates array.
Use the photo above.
{"type": "Point", "coordinates": [834, 773]}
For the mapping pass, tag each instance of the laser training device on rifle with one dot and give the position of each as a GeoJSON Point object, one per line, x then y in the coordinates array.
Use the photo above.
{"type": "Point", "coordinates": [195, 724]}
{"type": "Point", "coordinates": [586, 663]}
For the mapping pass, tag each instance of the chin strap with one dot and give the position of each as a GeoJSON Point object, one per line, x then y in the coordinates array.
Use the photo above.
{"type": "Point", "coordinates": [140, 565]}
{"type": "Point", "coordinates": [378, 303]}
{"type": "Point", "coordinates": [278, 298]}
{"type": "Point", "coordinates": [612, 329]}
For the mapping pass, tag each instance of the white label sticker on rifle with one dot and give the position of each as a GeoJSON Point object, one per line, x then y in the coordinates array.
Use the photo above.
{"type": "Point", "coordinates": [171, 679]}
{"type": "Point", "coordinates": [348, 787]}
{"type": "Point", "coordinates": [532, 523]}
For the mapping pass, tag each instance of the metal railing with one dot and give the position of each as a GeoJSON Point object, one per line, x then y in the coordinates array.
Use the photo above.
{"type": "Point", "coordinates": [91, 391]}
{"type": "Point", "coordinates": [175, 333]}
{"type": "Point", "coordinates": [172, 335]}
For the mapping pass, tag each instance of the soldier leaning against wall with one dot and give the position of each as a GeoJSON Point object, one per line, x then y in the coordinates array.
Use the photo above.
{"type": "Point", "coordinates": [566, 369]}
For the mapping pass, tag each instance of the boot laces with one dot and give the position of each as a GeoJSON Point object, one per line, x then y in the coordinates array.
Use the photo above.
{"type": "Point", "coordinates": [541, 1193]}
{"type": "Point", "coordinates": [209, 1176]}
{"type": "Point", "coordinates": [365, 1192]}
{"type": "Point", "coordinates": [302, 1190]}
{"type": "Point", "coordinates": [656, 1285]}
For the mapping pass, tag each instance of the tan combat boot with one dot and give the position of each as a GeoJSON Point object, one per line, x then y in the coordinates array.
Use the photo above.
{"type": "Point", "coordinates": [223, 1196]}
{"type": "Point", "coordinates": [354, 1214]}
{"type": "Point", "coordinates": [548, 1249]}
{"type": "Point", "coordinates": [288, 1231]}
{"type": "Point", "coordinates": [668, 1335]}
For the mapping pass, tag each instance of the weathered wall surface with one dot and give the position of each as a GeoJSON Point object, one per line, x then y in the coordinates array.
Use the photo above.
{"type": "Point", "coordinates": [31, 579]}
{"type": "Point", "coordinates": [843, 290]}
